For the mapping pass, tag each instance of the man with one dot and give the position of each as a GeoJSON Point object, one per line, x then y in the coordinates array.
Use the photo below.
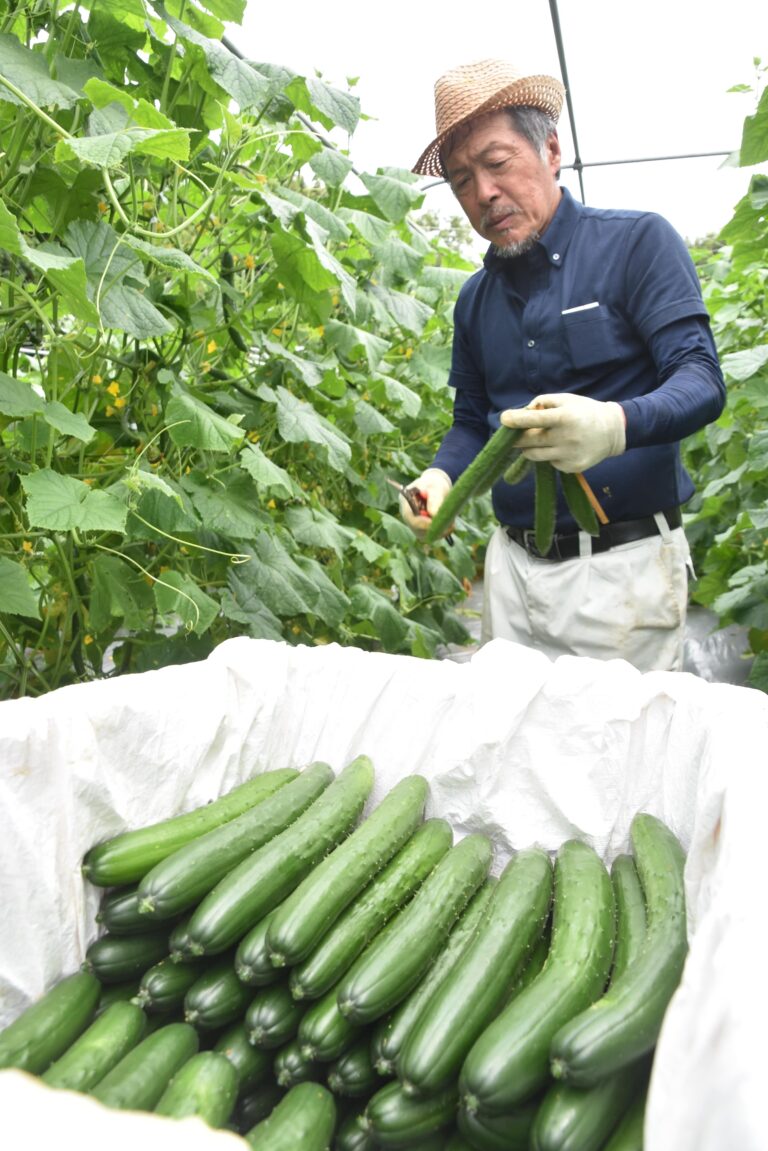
{"type": "Point", "coordinates": [585, 328]}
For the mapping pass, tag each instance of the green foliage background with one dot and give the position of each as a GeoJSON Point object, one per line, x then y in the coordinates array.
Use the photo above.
{"type": "Point", "coordinates": [219, 339]}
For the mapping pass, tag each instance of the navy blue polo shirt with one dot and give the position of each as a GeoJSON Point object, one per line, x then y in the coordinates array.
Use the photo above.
{"type": "Point", "coordinates": [606, 304]}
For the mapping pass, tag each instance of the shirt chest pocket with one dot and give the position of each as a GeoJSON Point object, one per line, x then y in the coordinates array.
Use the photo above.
{"type": "Point", "coordinates": [592, 336]}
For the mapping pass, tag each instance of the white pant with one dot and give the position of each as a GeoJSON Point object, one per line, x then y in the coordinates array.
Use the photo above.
{"type": "Point", "coordinates": [626, 603]}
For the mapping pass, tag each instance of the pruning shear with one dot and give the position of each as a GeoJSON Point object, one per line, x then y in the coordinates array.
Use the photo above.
{"type": "Point", "coordinates": [416, 501]}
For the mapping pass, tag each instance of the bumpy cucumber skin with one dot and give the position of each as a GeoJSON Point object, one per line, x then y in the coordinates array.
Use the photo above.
{"type": "Point", "coordinates": [384, 896]}
{"type": "Point", "coordinates": [204, 1087]}
{"type": "Point", "coordinates": [258, 884]}
{"type": "Point", "coordinates": [399, 956]}
{"type": "Point", "coordinates": [475, 990]}
{"type": "Point", "coordinates": [311, 909]}
{"type": "Point", "coordinates": [626, 1021]}
{"type": "Point", "coordinates": [304, 1118]}
{"type": "Point", "coordinates": [399, 1120]}
{"type": "Point", "coordinates": [140, 1078]}
{"type": "Point", "coordinates": [489, 465]}
{"type": "Point", "coordinates": [119, 912]}
{"type": "Point", "coordinates": [98, 1049]}
{"type": "Point", "coordinates": [352, 1136]}
{"type": "Point", "coordinates": [252, 962]}
{"type": "Point", "coordinates": [578, 503]}
{"type": "Point", "coordinates": [353, 1073]}
{"type": "Point", "coordinates": [581, 1119]}
{"type": "Point", "coordinates": [273, 1017]}
{"type": "Point", "coordinates": [127, 857]}
{"type": "Point", "coordinates": [115, 958]}
{"type": "Point", "coordinates": [256, 1104]}
{"type": "Point", "coordinates": [163, 986]}
{"type": "Point", "coordinates": [628, 1135]}
{"type": "Point", "coordinates": [631, 920]}
{"type": "Point", "coordinates": [324, 1033]}
{"type": "Point", "coordinates": [180, 881]}
{"type": "Point", "coordinates": [45, 1030]}
{"type": "Point", "coordinates": [252, 1066]}
{"type": "Point", "coordinates": [509, 1063]}
{"type": "Point", "coordinates": [510, 1132]}
{"type": "Point", "coordinates": [544, 505]}
{"type": "Point", "coordinates": [217, 998]}
{"type": "Point", "coordinates": [290, 1066]}
{"type": "Point", "coordinates": [391, 1032]}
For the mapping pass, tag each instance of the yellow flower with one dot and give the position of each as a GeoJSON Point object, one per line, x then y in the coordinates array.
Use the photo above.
{"type": "Point", "coordinates": [254, 437]}
{"type": "Point", "coordinates": [211, 347]}
{"type": "Point", "coordinates": [96, 379]}
{"type": "Point", "coordinates": [271, 504]}
{"type": "Point", "coordinates": [249, 262]}
{"type": "Point", "coordinates": [27, 546]}
{"type": "Point", "coordinates": [110, 411]}
{"type": "Point", "coordinates": [296, 629]}
{"type": "Point", "coordinates": [277, 331]}
{"type": "Point", "coordinates": [120, 402]}
{"type": "Point", "coordinates": [87, 639]}
{"type": "Point", "coordinates": [408, 353]}
{"type": "Point", "coordinates": [114, 388]}
{"type": "Point", "coordinates": [103, 206]}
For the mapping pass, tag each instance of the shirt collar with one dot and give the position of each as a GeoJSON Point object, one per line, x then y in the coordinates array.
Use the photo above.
{"type": "Point", "coordinates": [554, 243]}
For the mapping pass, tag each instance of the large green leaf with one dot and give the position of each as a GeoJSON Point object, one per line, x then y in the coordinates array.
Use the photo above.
{"type": "Point", "coordinates": [192, 424]}
{"type": "Point", "coordinates": [118, 591]}
{"type": "Point", "coordinates": [745, 363]}
{"type": "Point", "coordinates": [28, 71]}
{"type": "Point", "coordinates": [66, 272]}
{"type": "Point", "coordinates": [329, 221]}
{"type": "Point", "coordinates": [16, 595]}
{"type": "Point", "coordinates": [61, 503]}
{"type": "Point", "coordinates": [267, 474]}
{"type": "Point", "coordinates": [400, 309]}
{"type": "Point", "coordinates": [178, 595]}
{"type": "Point", "coordinates": [754, 140]}
{"type": "Point", "coordinates": [110, 149]}
{"type": "Point", "coordinates": [298, 267]}
{"type": "Point", "coordinates": [369, 604]}
{"type": "Point", "coordinates": [323, 102]}
{"type": "Point", "coordinates": [371, 422]}
{"type": "Point", "coordinates": [241, 602]}
{"type": "Point", "coordinates": [299, 423]}
{"type": "Point", "coordinates": [309, 371]}
{"type": "Point", "coordinates": [331, 166]}
{"type": "Point", "coordinates": [350, 341]}
{"type": "Point", "coordinates": [248, 87]}
{"type": "Point", "coordinates": [18, 399]}
{"type": "Point", "coordinates": [318, 529]}
{"type": "Point", "coordinates": [273, 576]}
{"type": "Point", "coordinates": [395, 193]}
{"type": "Point", "coordinates": [68, 423]}
{"type": "Point", "coordinates": [329, 603]}
{"type": "Point", "coordinates": [231, 509]}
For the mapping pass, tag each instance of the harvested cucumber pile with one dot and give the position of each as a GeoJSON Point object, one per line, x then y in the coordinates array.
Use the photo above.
{"type": "Point", "coordinates": [285, 966]}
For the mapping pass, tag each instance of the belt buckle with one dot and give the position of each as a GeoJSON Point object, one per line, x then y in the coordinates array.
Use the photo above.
{"type": "Point", "coordinates": [529, 543]}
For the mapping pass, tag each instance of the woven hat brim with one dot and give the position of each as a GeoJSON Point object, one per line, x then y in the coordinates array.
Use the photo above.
{"type": "Point", "coordinates": [543, 92]}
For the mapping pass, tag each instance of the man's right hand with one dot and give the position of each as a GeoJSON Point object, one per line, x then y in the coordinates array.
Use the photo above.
{"type": "Point", "coordinates": [434, 485]}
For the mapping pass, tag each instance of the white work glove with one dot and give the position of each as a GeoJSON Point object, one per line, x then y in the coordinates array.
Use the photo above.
{"type": "Point", "coordinates": [571, 432]}
{"type": "Point", "coordinates": [434, 485]}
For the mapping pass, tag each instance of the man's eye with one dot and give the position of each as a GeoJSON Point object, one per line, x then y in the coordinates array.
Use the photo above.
{"type": "Point", "coordinates": [460, 184]}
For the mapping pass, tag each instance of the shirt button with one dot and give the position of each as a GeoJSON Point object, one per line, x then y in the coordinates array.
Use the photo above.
{"type": "Point", "coordinates": [555, 255]}
{"type": "Point", "coordinates": [531, 343]}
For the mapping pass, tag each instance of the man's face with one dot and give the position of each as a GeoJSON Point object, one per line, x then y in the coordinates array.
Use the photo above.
{"type": "Point", "coordinates": [508, 191]}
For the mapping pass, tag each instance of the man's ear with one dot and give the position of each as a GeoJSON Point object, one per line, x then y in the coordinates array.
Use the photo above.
{"type": "Point", "coordinates": [553, 153]}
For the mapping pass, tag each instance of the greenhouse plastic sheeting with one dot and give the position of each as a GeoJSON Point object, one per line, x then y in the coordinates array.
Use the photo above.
{"type": "Point", "coordinates": [524, 749]}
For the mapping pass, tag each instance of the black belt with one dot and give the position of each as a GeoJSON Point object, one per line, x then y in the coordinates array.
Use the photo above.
{"type": "Point", "coordinates": [565, 546]}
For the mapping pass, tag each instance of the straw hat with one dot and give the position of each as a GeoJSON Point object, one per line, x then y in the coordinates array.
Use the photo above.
{"type": "Point", "coordinates": [485, 86]}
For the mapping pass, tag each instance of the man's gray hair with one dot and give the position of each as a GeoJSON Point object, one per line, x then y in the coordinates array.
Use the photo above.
{"type": "Point", "coordinates": [532, 124]}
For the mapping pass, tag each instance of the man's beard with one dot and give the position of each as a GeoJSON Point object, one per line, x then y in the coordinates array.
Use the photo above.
{"type": "Point", "coordinates": [516, 247]}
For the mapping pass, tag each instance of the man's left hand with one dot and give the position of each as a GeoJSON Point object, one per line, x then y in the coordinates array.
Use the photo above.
{"type": "Point", "coordinates": [570, 432]}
